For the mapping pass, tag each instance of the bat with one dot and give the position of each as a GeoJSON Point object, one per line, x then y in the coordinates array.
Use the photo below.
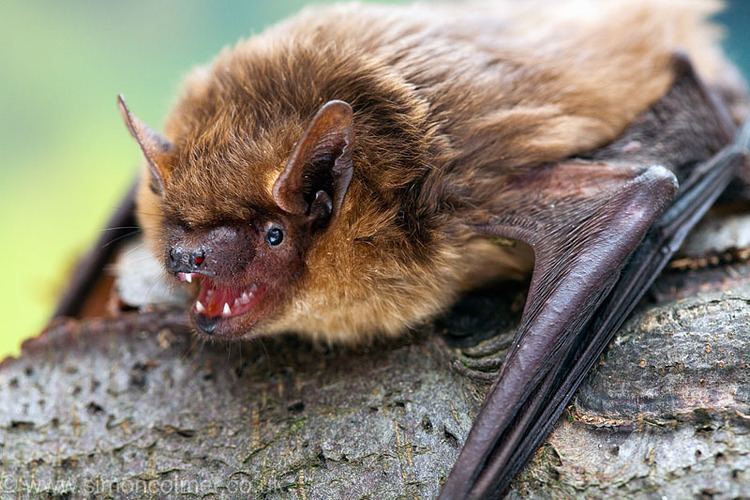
{"type": "Point", "coordinates": [348, 173]}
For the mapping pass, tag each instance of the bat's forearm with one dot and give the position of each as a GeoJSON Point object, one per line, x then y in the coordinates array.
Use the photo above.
{"type": "Point", "coordinates": [582, 238]}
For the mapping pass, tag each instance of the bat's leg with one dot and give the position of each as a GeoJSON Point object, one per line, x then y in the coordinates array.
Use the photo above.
{"type": "Point", "coordinates": [90, 268]}
{"type": "Point", "coordinates": [546, 405]}
{"type": "Point", "coordinates": [581, 239]}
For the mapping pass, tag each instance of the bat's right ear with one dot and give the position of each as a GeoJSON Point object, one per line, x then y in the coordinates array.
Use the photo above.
{"type": "Point", "coordinates": [154, 146]}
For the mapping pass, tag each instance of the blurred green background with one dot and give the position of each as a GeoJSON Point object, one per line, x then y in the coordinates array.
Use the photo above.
{"type": "Point", "coordinates": [66, 157]}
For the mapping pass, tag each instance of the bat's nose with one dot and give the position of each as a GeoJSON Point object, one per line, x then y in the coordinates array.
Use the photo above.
{"type": "Point", "coordinates": [221, 252]}
{"type": "Point", "coordinates": [185, 260]}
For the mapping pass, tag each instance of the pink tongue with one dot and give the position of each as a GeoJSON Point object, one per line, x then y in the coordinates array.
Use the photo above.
{"type": "Point", "coordinates": [213, 299]}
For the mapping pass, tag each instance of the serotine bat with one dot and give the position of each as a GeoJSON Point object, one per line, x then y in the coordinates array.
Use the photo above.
{"type": "Point", "coordinates": [347, 173]}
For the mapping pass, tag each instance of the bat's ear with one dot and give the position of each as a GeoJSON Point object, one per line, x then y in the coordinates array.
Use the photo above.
{"type": "Point", "coordinates": [317, 175]}
{"type": "Point", "coordinates": [154, 146]}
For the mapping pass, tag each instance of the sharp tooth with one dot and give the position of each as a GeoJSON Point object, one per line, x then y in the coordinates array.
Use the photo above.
{"type": "Point", "coordinates": [189, 277]}
{"type": "Point", "coordinates": [199, 307]}
{"type": "Point", "coordinates": [227, 310]}
{"type": "Point", "coordinates": [245, 298]}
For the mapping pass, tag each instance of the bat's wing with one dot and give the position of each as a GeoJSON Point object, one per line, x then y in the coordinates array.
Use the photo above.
{"type": "Point", "coordinates": [90, 269]}
{"type": "Point", "coordinates": [601, 228]}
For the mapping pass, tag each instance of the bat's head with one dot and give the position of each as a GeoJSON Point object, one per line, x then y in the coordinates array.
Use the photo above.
{"type": "Point", "coordinates": [282, 220]}
{"type": "Point", "coordinates": [237, 224]}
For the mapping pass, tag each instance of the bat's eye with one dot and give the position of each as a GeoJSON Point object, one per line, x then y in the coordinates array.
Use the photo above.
{"type": "Point", "coordinates": [274, 236]}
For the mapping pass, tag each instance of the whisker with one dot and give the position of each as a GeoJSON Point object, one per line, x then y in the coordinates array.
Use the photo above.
{"type": "Point", "coordinates": [117, 228]}
{"type": "Point", "coordinates": [121, 237]}
{"type": "Point", "coordinates": [136, 247]}
{"type": "Point", "coordinates": [265, 350]}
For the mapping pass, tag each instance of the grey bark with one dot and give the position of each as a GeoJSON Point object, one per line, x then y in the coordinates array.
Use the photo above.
{"type": "Point", "coordinates": [134, 406]}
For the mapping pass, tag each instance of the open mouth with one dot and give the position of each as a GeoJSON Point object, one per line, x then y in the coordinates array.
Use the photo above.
{"type": "Point", "coordinates": [216, 302]}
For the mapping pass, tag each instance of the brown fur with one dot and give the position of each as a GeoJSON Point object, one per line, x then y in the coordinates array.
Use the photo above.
{"type": "Point", "coordinates": [447, 99]}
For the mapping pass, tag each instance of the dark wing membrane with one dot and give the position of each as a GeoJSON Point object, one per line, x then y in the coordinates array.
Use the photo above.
{"type": "Point", "coordinates": [601, 229]}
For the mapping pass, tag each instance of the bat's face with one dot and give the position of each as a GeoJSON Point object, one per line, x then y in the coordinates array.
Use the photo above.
{"type": "Point", "coordinates": [238, 229]}
{"type": "Point", "coordinates": [242, 271]}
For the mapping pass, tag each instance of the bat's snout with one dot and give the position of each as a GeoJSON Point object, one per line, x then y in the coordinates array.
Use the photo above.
{"type": "Point", "coordinates": [221, 252]}
{"type": "Point", "coordinates": [185, 260]}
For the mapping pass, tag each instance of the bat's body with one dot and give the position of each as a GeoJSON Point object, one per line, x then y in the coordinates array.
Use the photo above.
{"type": "Point", "coordinates": [446, 102]}
{"type": "Point", "coordinates": [347, 174]}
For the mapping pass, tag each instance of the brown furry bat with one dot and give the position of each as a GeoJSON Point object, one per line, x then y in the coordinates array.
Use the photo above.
{"type": "Point", "coordinates": [444, 99]}
{"type": "Point", "coordinates": [347, 172]}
